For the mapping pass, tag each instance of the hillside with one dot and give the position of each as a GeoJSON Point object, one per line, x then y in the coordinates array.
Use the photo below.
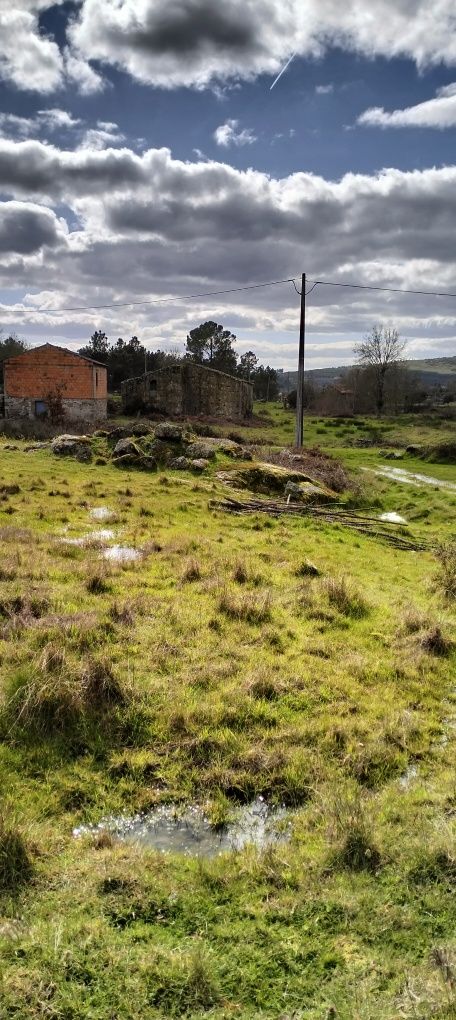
{"type": "Point", "coordinates": [432, 371]}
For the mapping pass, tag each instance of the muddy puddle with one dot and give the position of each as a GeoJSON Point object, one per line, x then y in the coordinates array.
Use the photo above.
{"type": "Point", "coordinates": [396, 474]}
{"type": "Point", "coordinates": [392, 518]}
{"type": "Point", "coordinates": [102, 513]}
{"type": "Point", "coordinates": [101, 535]}
{"type": "Point", "coordinates": [121, 554]}
{"type": "Point", "coordinates": [189, 832]}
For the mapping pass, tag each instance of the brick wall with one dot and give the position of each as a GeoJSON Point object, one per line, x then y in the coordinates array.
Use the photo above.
{"type": "Point", "coordinates": [33, 375]}
{"type": "Point", "coordinates": [189, 389]}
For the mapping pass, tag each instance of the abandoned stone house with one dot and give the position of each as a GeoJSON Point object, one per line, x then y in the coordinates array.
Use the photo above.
{"type": "Point", "coordinates": [189, 389]}
{"type": "Point", "coordinates": [34, 380]}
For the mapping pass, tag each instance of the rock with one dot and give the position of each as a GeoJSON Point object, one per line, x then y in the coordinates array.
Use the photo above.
{"type": "Point", "coordinates": [392, 454]}
{"type": "Point", "coordinates": [200, 451]}
{"type": "Point", "coordinates": [267, 478]}
{"type": "Point", "coordinates": [414, 450]}
{"type": "Point", "coordinates": [179, 464]}
{"type": "Point", "coordinates": [126, 447]}
{"type": "Point", "coordinates": [222, 445]}
{"type": "Point", "coordinates": [137, 429]}
{"type": "Point", "coordinates": [10, 446]}
{"type": "Point", "coordinates": [77, 447]}
{"type": "Point", "coordinates": [141, 462]}
{"type": "Point", "coordinates": [307, 569]}
{"type": "Point", "coordinates": [309, 492]}
{"type": "Point", "coordinates": [199, 464]}
{"type": "Point", "coordinates": [169, 431]}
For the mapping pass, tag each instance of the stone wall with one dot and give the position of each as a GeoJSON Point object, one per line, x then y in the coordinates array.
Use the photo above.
{"type": "Point", "coordinates": [73, 410]}
{"type": "Point", "coordinates": [189, 389]}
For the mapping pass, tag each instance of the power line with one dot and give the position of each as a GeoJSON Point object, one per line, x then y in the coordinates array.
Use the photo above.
{"type": "Point", "coordinates": [388, 290]}
{"type": "Point", "coordinates": [155, 301]}
{"type": "Point", "coordinates": [230, 290]}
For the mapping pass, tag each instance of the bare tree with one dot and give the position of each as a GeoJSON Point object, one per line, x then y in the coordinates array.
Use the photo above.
{"type": "Point", "coordinates": [381, 349]}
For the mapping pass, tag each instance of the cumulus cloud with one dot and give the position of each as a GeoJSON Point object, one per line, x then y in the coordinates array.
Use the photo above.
{"type": "Point", "coordinates": [28, 58]}
{"type": "Point", "coordinates": [25, 229]}
{"type": "Point", "coordinates": [439, 112]}
{"type": "Point", "coordinates": [170, 43]}
{"type": "Point", "coordinates": [229, 134]}
{"type": "Point", "coordinates": [149, 225]}
{"type": "Point", "coordinates": [200, 43]}
{"type": "Point", "coordinates": [324, 90]}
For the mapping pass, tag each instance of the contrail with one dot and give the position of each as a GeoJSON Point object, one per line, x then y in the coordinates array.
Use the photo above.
{"type": "Point", "coordinates": [282, 71]}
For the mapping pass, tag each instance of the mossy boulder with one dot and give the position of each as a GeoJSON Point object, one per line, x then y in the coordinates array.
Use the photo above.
{"type": "Point", "coordinates": [78, 447]}
{"type": "Point", "coordinates": [309, 492]}
{"type": "Point", "coordinates": [200, 451]}
{"type": "Point", "coordinates": [170, 432]}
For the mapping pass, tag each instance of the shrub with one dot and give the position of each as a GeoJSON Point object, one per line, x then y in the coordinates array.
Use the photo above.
{"type": "Point", "coordinates": [15, 864]}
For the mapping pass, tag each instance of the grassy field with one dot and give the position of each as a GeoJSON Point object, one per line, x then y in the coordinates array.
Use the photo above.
{"type": "Point", "coordinates": [213, 670]}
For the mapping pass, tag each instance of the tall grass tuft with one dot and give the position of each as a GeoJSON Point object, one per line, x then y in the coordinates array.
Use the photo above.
{"type": "Point", "coordinates": [15, 864]}
{"type": "Point", "coordinates": [345, 598]}
{"type": "Point", "coordinates": [446, 573]}
{"type": "Point", "coordinates": [350, 834]}
{"type": "Point", "coordinates": [249, 608]}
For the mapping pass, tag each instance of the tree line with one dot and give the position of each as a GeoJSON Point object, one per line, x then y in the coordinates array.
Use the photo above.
{"type": "Point", "coordinates": [208, 344]}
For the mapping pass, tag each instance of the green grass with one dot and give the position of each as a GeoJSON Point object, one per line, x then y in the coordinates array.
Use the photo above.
{"type": "Point", "coordinates": [220, 667]}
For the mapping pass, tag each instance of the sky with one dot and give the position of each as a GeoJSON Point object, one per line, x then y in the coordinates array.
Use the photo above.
{"type": "Point", "coordinates": [152, 149]}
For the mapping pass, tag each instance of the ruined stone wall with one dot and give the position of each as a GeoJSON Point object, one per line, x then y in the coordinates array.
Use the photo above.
{"type": "Point", "coordinates": [189, 389]}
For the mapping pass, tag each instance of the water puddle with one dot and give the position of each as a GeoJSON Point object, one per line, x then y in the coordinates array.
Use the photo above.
{"type": "Point", "coordinates": [103, 535]}
{"type": "Point", "coordinates": [396, 474]}
{"type": "Point", "coordinates": [392, 518]}
{"type": "Point", "coordinates": [189, 832]}
{"type": "Point", "coordinates": [408, 776]}
{"type": "Point", "coordinates": [102, 513]}
{"type": "Point", "coordinates": [121, 554]}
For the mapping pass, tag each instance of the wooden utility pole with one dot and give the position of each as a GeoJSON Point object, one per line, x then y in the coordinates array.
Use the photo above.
{"type": "Point", "coordinates": [299, 437]}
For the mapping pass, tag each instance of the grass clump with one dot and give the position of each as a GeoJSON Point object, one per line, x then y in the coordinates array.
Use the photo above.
{"type": "Point", "coordinates": [249, 608]}
{"type": "Point", "coordinates": [15, 864]}
{"type": "Point", "coordinates": [191, 572]}
{"type": "Point", "coordinates": [97, 582]}
{"type": "Point", "coordinates": [350, 833]}
{"type": "Point", "coordinates": [342, 595]}
{"type": "Point", "coordinates": [446, 573]}
{"type": "Point", "coordinates": [56, 697]}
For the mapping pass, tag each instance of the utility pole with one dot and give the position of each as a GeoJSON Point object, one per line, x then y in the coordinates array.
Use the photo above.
{"type": "Point", "coordinates": [299, 436]}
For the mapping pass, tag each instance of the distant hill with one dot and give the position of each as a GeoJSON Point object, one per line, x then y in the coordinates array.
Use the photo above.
{"type": "Point", "coordinates": [431, 371]}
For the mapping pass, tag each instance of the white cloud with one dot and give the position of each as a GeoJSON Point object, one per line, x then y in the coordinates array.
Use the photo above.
{"type": "Point", "coordinates": [201, 43]}
{"type": "Point", "coordinates": [28, 59]}
{"type": "Point", "coordinates": [151, 226]}
{"type": "Point", "coordinates": [105, 134]}
{"type": "Point", "coordinates": [228, 134]}
{"type": "Point", "coordinates": [324, 90]}
{"type": "Point", "coordinates": [196, 43]}
{"type": "Point", "coordinates": [439, 112]}
{"type": "Point", "coordinates": [43, 121]}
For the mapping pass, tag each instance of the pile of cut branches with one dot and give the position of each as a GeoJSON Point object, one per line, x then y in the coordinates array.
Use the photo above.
{"type": "Point", "coordinates": [334, 514]}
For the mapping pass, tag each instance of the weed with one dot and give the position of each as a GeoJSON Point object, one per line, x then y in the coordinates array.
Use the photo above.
{"type": "Point", "coordinates": [15, 862]}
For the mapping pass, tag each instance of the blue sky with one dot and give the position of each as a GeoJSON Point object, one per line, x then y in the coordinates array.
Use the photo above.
{"type": "Point", "coordinates": [143, 156]}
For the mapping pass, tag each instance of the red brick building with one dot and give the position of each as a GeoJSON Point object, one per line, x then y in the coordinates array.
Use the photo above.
{"type": "Point", "coordinates": [34, 379]}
